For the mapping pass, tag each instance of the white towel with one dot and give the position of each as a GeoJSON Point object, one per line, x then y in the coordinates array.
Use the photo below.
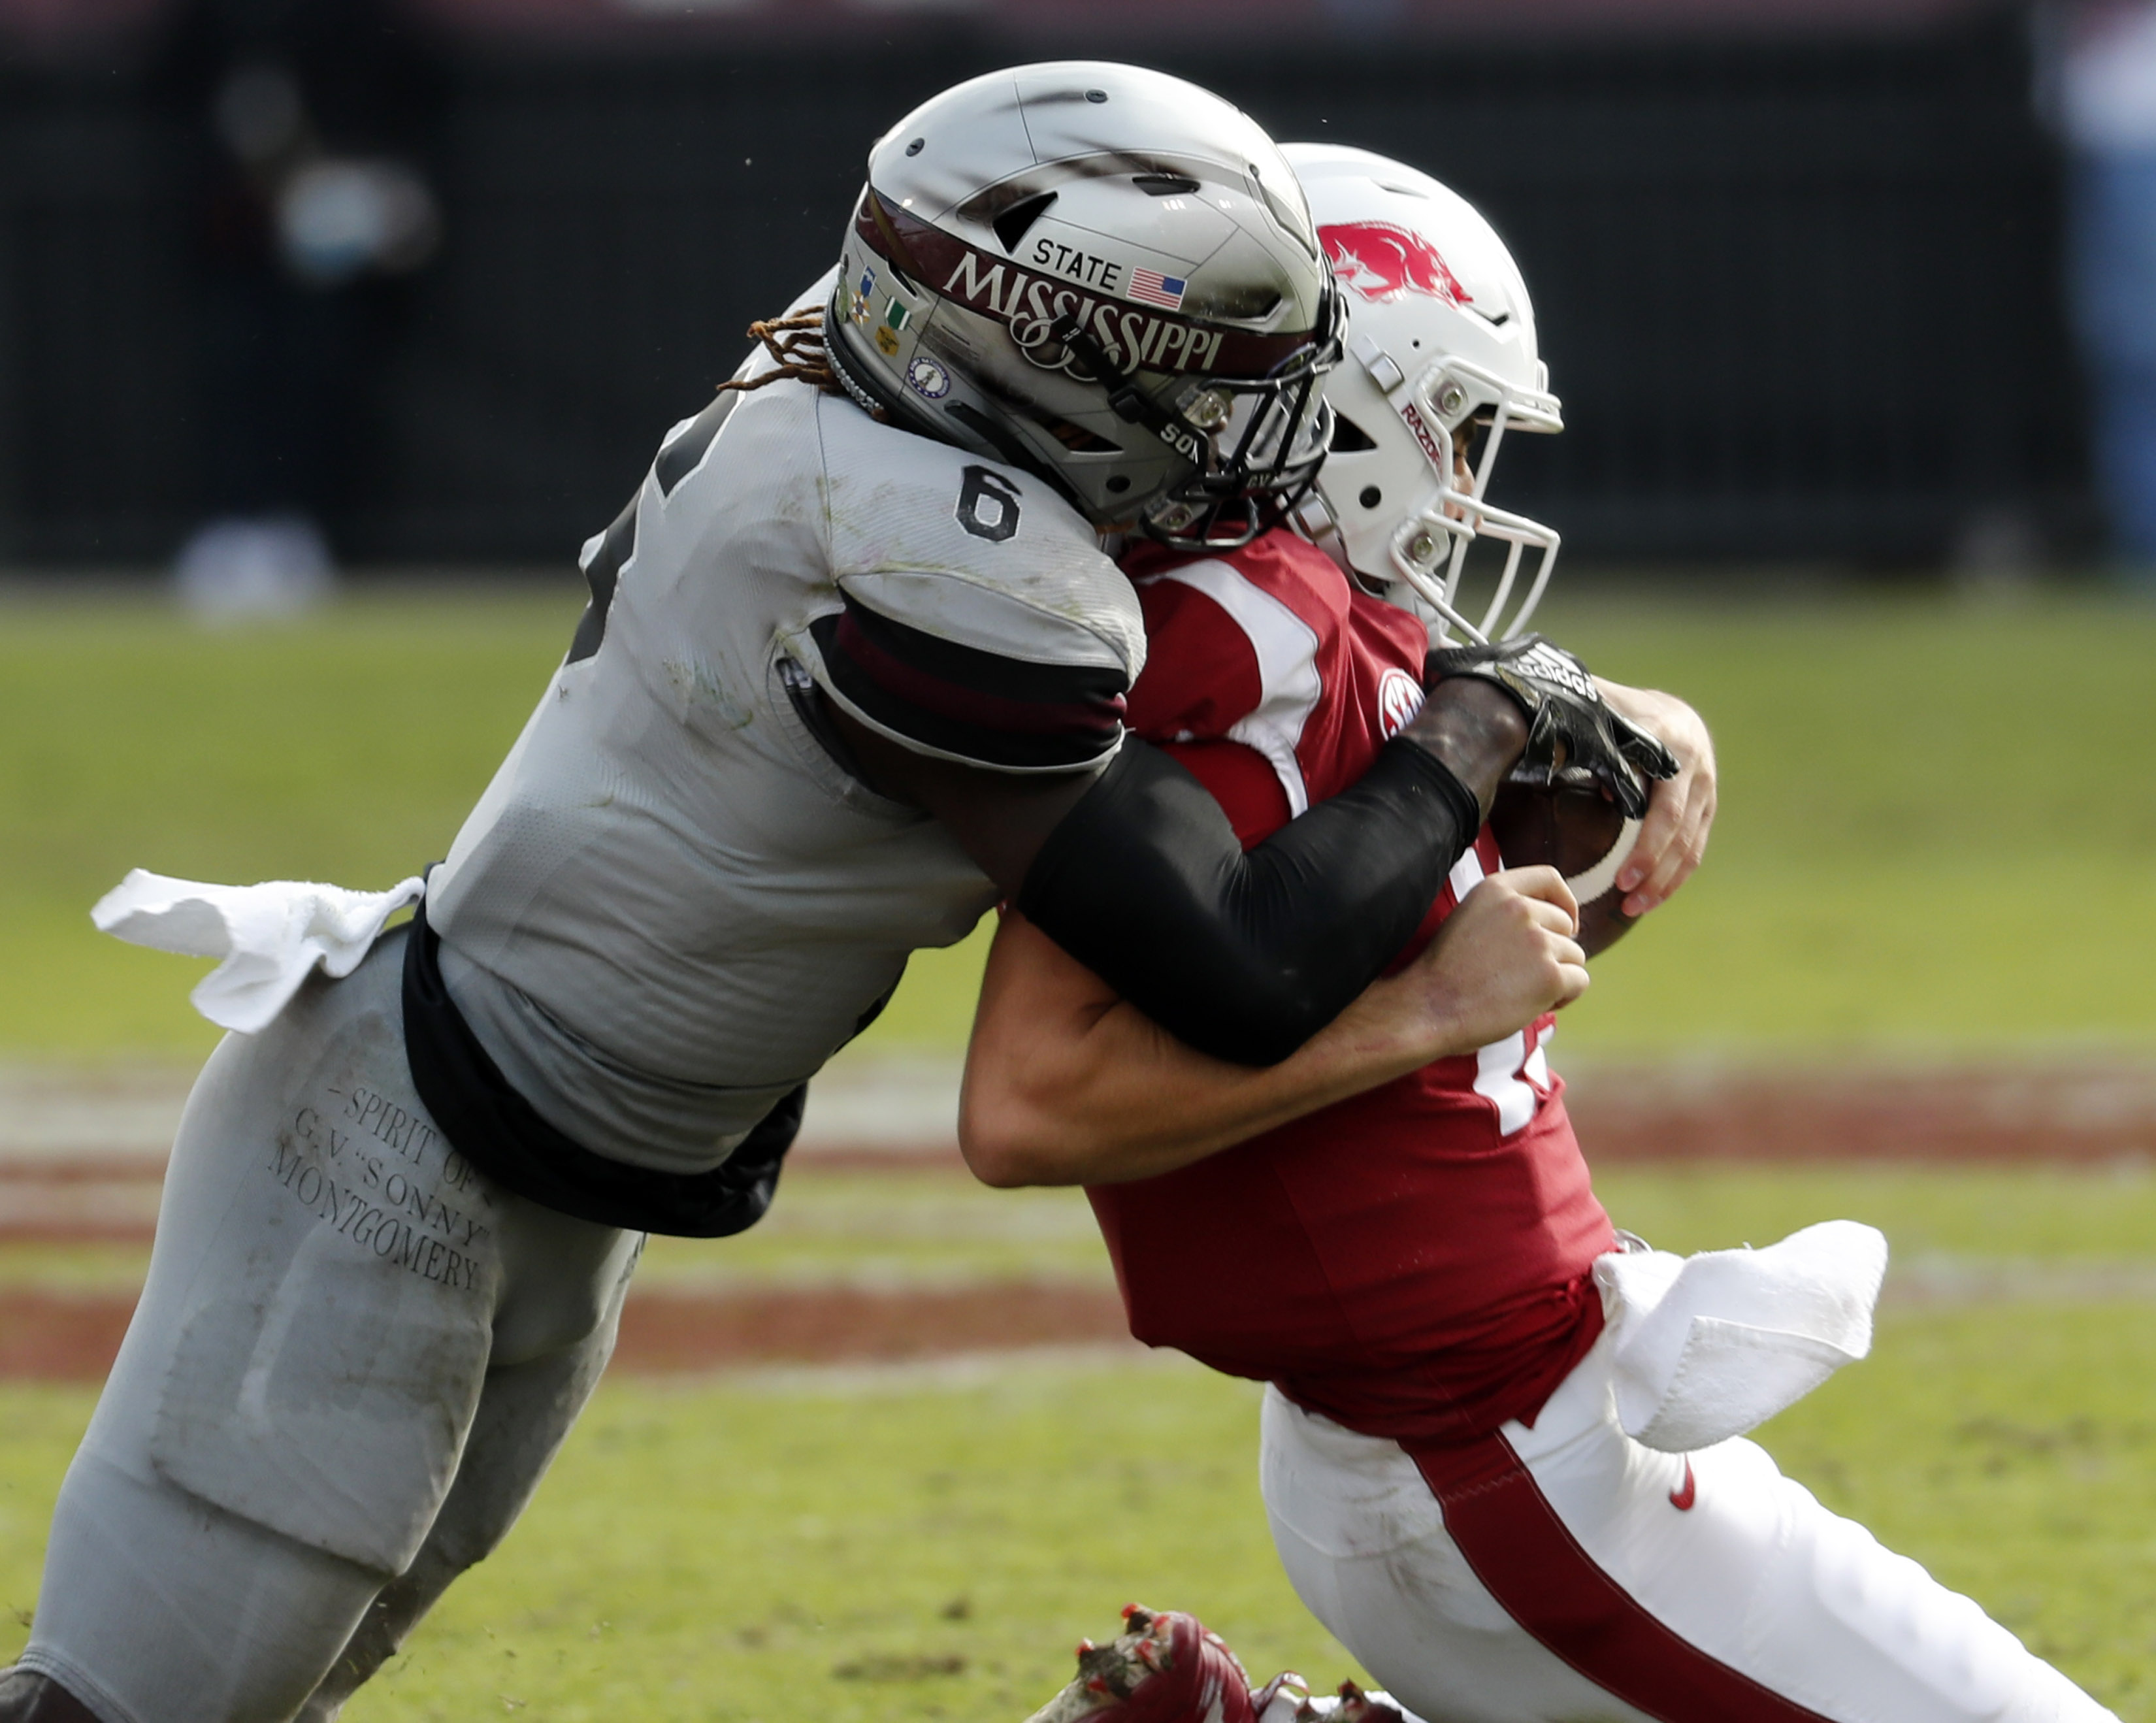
{"type": "Point", "coordinates": [1710, 1346]}
{"type": "Point", "coordinates": [271, 936]}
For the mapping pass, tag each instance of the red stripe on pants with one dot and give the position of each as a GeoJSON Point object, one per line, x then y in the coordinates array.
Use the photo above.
{"type": "Point", "coordinates": [1534, 1566]}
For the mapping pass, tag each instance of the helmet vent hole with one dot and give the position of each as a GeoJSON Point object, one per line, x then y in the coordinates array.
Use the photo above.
{"type": "Point", "coordinates": [1096, 95]}
{"type": "Point", "coordinates": [1077, 439]}
{"type": "Point", "coordinates": [1012, 224]}
{"type": "Point", "coordinates": [916, 147]}
{"type": "Point", "coordinates": [1349, 438]}
{"type": "Point", "coordinates": [1371, 497]}
{"type": "Point", "coordinates": [1119, 482]}
{"type": "Point", "coordinates": [1164, 185]}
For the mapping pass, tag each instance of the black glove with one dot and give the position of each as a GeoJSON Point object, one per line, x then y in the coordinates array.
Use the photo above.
{"type": "Point", "coordinates": [1574, 735]}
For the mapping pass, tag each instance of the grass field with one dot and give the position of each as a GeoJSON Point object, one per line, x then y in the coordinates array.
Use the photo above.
{"type": "Point", "coordinates": [1928, 839]}
{"type": "Point", "coordinates": [1935, 839]}
{"type": "Point", "coordinates": [844, 1542]}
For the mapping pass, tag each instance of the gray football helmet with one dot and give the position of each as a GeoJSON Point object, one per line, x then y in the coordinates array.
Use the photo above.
{"type": "Point", "coordinates": [1107, 276]}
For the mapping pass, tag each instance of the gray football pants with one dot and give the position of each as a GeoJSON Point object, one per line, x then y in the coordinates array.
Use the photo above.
{"type": "Point", "coordinates": [354, 1357]}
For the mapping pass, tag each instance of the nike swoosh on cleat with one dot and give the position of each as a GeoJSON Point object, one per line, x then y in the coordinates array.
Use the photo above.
{"type": "Point", "coordinates": [1682, 1500]}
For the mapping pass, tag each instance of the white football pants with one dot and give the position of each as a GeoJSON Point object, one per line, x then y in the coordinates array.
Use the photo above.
{"type": "Point", "coordinates": [1566, 1574]}
{"type": "Point", "coordinates": [353, 1359]}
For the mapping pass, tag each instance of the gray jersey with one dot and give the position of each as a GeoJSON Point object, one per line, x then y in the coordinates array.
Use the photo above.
{"type": "Point", "coordinates": [672, 904]}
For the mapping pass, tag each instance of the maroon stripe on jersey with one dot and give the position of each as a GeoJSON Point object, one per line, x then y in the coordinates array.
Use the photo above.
{"type": "Point", "coordinates": [923, 687]}
{"type": "Point", "coordinates": [1028, 716]}
{"type": "Point", "coordinates": [1534, 1565]}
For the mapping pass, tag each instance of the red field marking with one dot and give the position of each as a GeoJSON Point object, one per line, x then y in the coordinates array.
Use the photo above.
{"type": "Point", "coordinates": [679, 1331]}
{"type": "Point", "coordinates": [2084, 1114]}
{"type": "Point", "coordinates": [55, 1338]}
{"type": "Point", "coordinates": [79, 1201]}
{"type": "Point", "coordinates": [113, 1200]}
{"type": "Point", "coordinates": [48, 1337]}
{"type": "Point", "coordinates": [80, 1169]}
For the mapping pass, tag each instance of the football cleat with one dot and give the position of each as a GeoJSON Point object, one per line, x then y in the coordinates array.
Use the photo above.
{"type": "Point", "coordinates": [1164, 1667]}
{"type": "Point", "coordinates": [1354, 1705]}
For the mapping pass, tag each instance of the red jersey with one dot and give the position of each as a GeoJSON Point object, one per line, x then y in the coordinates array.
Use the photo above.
{"type": "Point", "coordinates": [1414, 1263]}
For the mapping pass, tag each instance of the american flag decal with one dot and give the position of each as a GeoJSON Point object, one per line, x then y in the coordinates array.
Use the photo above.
{"type": "Point", "coordinates": [1150, 287]}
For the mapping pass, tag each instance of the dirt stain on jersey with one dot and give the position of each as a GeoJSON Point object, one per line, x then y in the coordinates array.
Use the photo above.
{"type": "Point", "coordinates": [695, 684]}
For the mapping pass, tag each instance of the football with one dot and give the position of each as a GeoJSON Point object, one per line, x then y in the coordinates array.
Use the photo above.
{"type": "Point", "coordinates": [1581, 832]}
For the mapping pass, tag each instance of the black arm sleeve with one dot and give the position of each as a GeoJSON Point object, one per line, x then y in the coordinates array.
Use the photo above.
{"type": "Point", "coordinates": [1246, 955]}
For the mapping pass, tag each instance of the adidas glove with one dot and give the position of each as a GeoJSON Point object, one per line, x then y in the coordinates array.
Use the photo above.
{"type": "Point", "coordinates": [1574, 735]}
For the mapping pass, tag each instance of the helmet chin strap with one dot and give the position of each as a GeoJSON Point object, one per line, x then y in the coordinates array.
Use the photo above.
{"type": "Point", "coordinates": [1193, 442]}
{"type": "Point", "coordinates": [1132, 403]}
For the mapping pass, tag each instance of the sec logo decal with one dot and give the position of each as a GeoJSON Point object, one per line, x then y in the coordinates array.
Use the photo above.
{"type": "Point", "coordinates": [1399, 698]}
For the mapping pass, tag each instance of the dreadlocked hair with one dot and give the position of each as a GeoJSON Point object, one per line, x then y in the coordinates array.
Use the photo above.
{"type": "Point", "coordinates": [797, 343]}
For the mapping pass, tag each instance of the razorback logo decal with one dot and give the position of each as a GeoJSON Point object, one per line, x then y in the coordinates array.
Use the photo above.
{"type": "Point", "coordinates": [1381, 260]}
{"type": "Point", "coordinates": [1031, 304]}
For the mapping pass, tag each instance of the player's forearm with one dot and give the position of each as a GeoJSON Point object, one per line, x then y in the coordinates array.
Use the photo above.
{"type": "Point", "coordinates": [1247, 954]}
{"type": "Point", "coordinates": [1680, 809]}
{"type": "Point", "coordinates": [1475, 730]}
{"type": "Point", "coordinates": [1137, 870]}
{"type": "Point", "coordinates": [1066, 1084]}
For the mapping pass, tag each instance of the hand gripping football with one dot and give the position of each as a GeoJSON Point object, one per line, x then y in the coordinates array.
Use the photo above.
{"type": "Point", "coordinates": [1573, 824]}
{"type": "Point", "coordinates": [1571, 729]}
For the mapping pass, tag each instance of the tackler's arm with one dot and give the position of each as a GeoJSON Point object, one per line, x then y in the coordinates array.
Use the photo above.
{"type": "Point", "coordinates": [1137, 873]}
{"type": "Point", "coordinates": [1066, 1083]}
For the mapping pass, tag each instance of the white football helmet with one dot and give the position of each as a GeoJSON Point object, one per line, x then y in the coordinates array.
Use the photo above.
{"type": "Point", "coordinates": [1103, 275]}
{"type": "Point", "coordinates": [1441, 341]}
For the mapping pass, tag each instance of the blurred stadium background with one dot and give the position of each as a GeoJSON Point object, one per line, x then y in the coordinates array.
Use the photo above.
{"type": "Point", "coordinates": [1797, 261]}
{"type": "Point", "coordinates": [410, 291]}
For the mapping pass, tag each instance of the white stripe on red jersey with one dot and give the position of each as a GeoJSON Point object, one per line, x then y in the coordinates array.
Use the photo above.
{"type": "Point", "coordinates": [1425, 1246]}
{"type": "Point", "coordinates": [1284, 646]}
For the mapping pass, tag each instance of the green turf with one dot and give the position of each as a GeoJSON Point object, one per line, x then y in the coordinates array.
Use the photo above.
{"type": "Point", "coordinates": [2064, 1215]}
{"type": "Point", "coordinates": [1927, 841]}
{"type": "Point", "coordinates": [791, 1539]}
{"type": "Point", "coordinates": [942, 1228]}
{"type": "Point", "coordinates": [763, 1550]}
{"type": "Point", "coordinates": [1927, 837]}
{"type": "Point", "coordinates": [345, 747]}
{"type": "Point", "coordinates": [878, 1229]}
{"type": "Point", "coordinates": [754, 1546]}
